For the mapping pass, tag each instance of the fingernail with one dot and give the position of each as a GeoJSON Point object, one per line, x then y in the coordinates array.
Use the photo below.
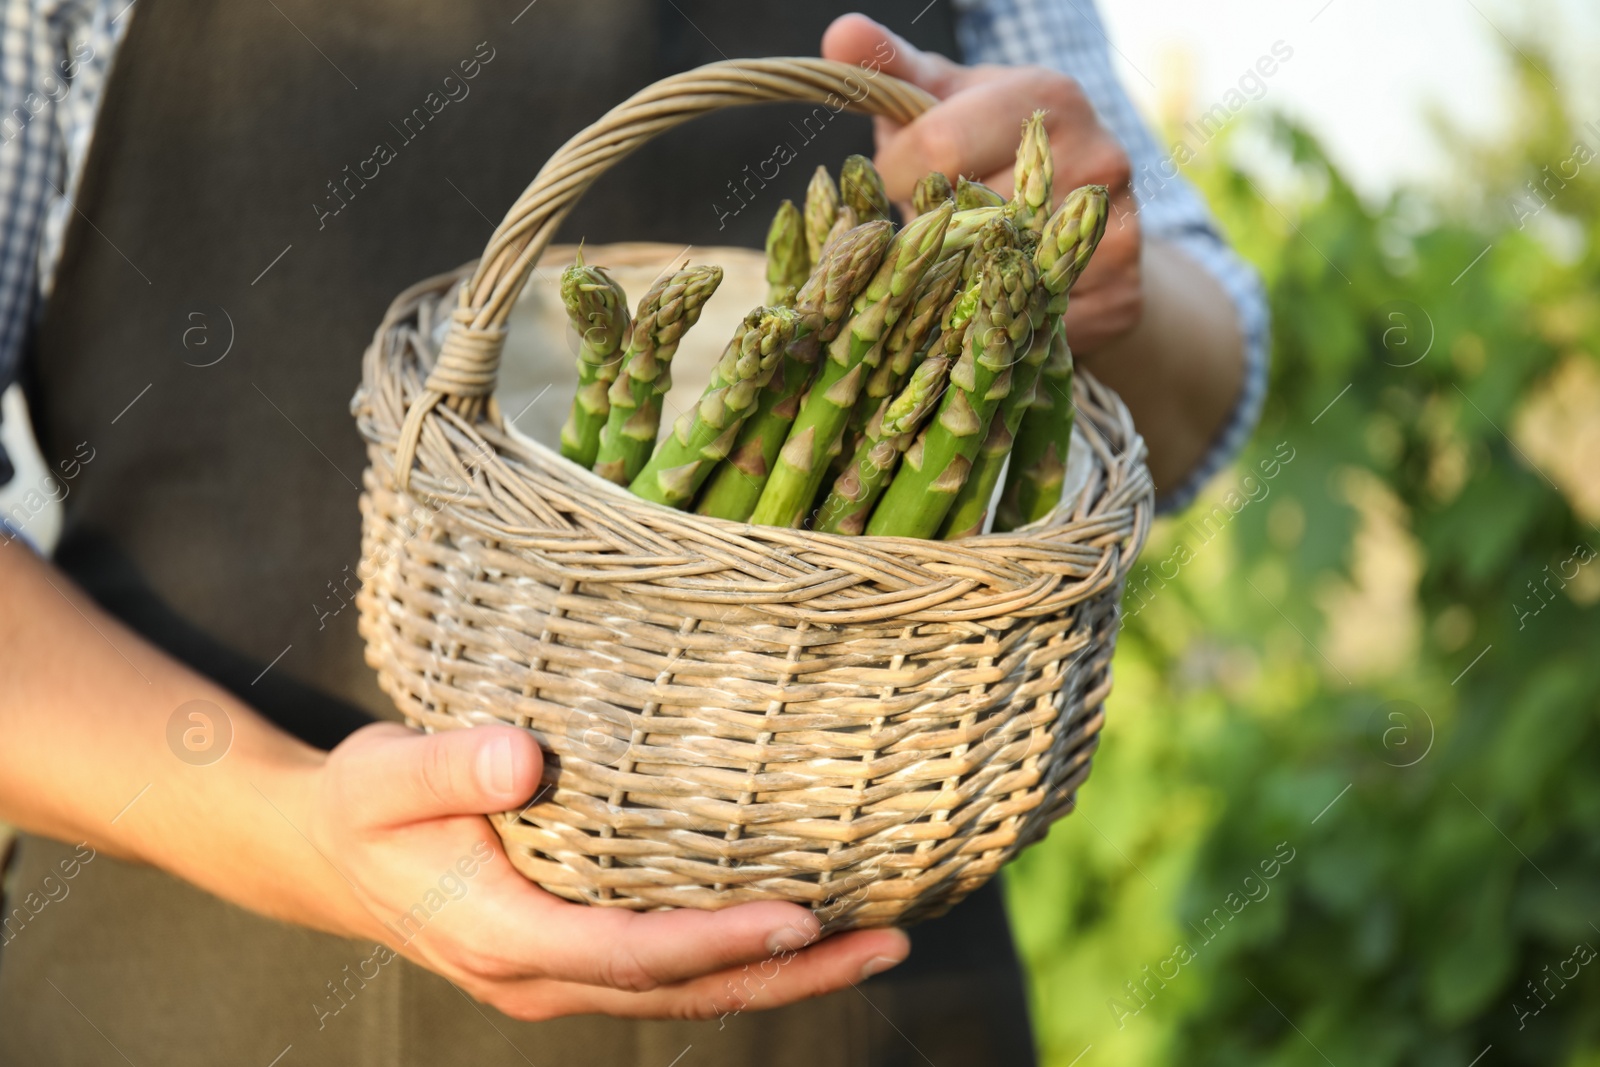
{"type": "Point", "coordinates": [790, 938]}
{"type": "Point", "coordinates": [877, 965]}
{"type": "Point", "coordinates": [496, 766]}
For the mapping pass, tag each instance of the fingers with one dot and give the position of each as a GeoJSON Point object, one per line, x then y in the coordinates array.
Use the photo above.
{"type": "Point", "coordinates": [972, 133]}
{"type": "Point", "coordinates": [859, 40]}
{"type": "Point", "coordinates": [635, 951]}
{"type": "Point", "coordinates": [772, 982]}
{"type": "Point", "coordinates": [393, 776]}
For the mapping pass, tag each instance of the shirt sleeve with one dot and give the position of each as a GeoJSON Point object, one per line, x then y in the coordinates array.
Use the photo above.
{"type": "Point", "coordinates": [54, 55]}
{"type": "Point", "coordinates": [1068, 36]}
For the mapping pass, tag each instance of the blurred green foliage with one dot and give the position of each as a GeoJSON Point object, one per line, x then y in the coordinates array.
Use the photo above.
{"type": "Point", "coordinates": [1353, 670]}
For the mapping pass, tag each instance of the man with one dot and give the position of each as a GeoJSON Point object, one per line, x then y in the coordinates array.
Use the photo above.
{"type": "Point", "coordinates": [221, 496]}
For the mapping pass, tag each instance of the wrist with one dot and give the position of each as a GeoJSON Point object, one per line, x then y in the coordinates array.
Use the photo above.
{"type": "Point", "coordinates": [302, 881]}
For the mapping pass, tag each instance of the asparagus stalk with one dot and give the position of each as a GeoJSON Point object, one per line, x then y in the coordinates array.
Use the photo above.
{"type": "Point", "coordinates": [971, 194]}
{"type": "Point", "coordinates": [670, 307]}
{"type": "Point", "coordinates": [892, 429]}
{"type": "Point", "coordinates": [701, 438]}
{"type": "Point", "coordinates": [933, 190]}
{"type": "Point", "coordinates": [1035, 170]}
{"type": "Point", "coordinates": [598, 309]}
{"type": "Point", "coordinates": [1068, 239]}
{"type": "Point", "coordinates": [822, 207]}
{"type": "Point", "coordinates": [1044, 431]}
{"type": "Point", "coordinates": [861, 187]}
{"type": "Point", "coordinates": [1038, 459]}
{"type": "Point", "coordinates": [905, 341]}
{"type": "Point", "coordinates": [788, 263]}
{"type": "Point", "coordinates": [802, 463]}
{"type": "Point", "coordinates": [846, 267]}
{"type": "Point", "coordinates": [922, 492]}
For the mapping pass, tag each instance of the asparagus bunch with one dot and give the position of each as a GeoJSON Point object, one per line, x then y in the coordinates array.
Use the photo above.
{"type": "Point", "coordinates": [788, 262]}
{"type": "Point", "coordinates": [944, 357]}
{"type": "Point", "coordinates": [598, 310]}
{"type": "Point", "coordinates": [936, 465]}
{"type": "Point", "coordinates": [670, 307]}
{"type": "Point", "coordinates": [704, 436]}
{"type": "Point", "coordinates": [852, 356]}
{"type": "Point", "coordinates": [847, 265]}
{"type": "Point", "coordinates": [1044, 427]}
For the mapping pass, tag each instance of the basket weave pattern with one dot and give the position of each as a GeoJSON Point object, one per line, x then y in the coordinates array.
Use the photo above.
{"type": "Point", "coordinates": [868, 726]}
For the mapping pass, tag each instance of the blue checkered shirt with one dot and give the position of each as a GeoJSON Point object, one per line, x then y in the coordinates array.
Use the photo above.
{"type": "Point", "coordinates": [54, 55]}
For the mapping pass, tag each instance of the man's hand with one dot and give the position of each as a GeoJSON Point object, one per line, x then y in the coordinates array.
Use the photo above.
{"type": "Point", "coordinates": [401, 816]}
{"type": "Point", "coordinates": [974, 131]}
{"type": "Point", "coordinates": [384, 838]}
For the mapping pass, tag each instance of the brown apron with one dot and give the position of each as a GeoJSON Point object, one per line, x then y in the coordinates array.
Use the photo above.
{"type": "Point", "coordinates": [240, 205]}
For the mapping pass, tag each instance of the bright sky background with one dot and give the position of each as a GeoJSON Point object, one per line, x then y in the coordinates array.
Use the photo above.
{"type": "Point", "coordinates": [1364, 72]}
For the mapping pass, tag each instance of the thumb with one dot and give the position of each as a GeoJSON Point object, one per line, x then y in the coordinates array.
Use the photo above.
{"type": "Point", "coordinates": [859, 40]}
{"type": "Point", "coordinates": [401, 776]}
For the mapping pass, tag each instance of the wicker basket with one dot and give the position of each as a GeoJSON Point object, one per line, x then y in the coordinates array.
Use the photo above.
{"type": "Point", "coordinates": [867, 726]}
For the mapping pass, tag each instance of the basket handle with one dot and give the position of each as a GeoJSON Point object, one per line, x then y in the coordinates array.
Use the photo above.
{"type": "Point", "coordinates": [464, 374]}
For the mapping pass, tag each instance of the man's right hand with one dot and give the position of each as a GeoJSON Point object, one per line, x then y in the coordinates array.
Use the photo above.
{"type": "Point", "coordinates": [400, 815]}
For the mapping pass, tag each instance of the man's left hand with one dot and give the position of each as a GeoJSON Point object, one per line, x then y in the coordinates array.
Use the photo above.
{"type": "Point", "coordinates": [974, 131]}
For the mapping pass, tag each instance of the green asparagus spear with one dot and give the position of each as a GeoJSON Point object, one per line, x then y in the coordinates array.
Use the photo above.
{"type": "Point", "coordinates": [788, 263]}
{"type": "Point", "coordinates": [1044, 432]}
{"type": "Point", "coordinates": [822, 207]}
{"type": "Point", "coordinates": [670, 307]}
{"type": "Point", "coordinates": [803, 461]}
{"type": "Point", "coordinates": [598, 309]}
{"type": "Point", "coordinates": [1068, 239]}
{"type": "Point", "coordinates": [965, 227]}
{"type": "Point", "coordinates": [925, 487]}
{"type": "Point", "coordinates": [861, 187]}
{"type": "Point", "coordinates": [701, 438]}
{"type": "Point", "coordinates": [970, 508]}
{"type": "Point", "coordinates": [1038, 459]}
{"type": "Point", "coordinates": [905, 342]}
{"type": "Point", "coordinates": [933, 190]}
{"type": "Point", "coordinates": [1030, 204]}
{"type": "Point", "coordinates": [846, 267]}
{"type": "Point", "coordinates": [890, 432]}
{"type": "Point", "coordinates": [971, 194]}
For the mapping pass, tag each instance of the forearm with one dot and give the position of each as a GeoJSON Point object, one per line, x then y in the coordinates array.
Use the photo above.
{"type": "Point", "coordinates": [1181, 369]}
{"type": "Point", "coordinates": [84, 711]}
